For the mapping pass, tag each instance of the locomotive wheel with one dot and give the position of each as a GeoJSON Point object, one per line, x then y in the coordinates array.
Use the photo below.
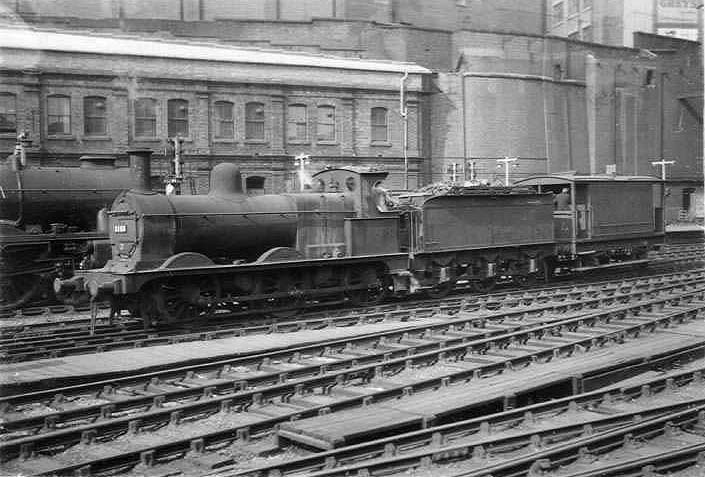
{"type": "Point", "coordinates": [147, 309]}
{"type": "Point", "coordinates": [441, 290]}
{"type": "Point", "coordinates": [288, 307]}
{"type": "Point", "coordinates": [17, 291]}
{"type": "Point", "coordinates": [284, 307]}
{"type": "Point", "coordinates": [485, 285]}
{"type": "Point", "coordinates": [376, 287]}
{"type": "Point", "coordinates": [528, 280]}
{"type": "Point", "coordinates": [171, 304]}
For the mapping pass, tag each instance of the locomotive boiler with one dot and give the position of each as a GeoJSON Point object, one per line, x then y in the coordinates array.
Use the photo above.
{"type": "Point", "coordinates": [50, 222]}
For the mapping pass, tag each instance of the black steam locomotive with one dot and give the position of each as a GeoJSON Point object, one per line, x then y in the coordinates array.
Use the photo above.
{"type": "Point", "coordinates": [51, 221]}
{"type": "Point", "coordinates": [174, 257]}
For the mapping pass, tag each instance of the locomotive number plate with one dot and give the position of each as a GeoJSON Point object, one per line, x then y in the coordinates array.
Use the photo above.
{"type": "Point", "coordinates": [120, 228]}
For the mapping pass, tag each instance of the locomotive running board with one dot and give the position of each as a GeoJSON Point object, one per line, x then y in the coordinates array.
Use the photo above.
{"type": "Point", "coordinates": [613, 265]}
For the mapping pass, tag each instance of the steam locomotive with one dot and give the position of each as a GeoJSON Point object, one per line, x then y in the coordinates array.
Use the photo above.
{"type": "Point", "coordinates": [174, 257]}
{"type": "Point", "coordinates": [51, 221]}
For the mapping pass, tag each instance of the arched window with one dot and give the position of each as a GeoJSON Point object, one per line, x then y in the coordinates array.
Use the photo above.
{"type": "Point", "coordinates": [58, 114]}
{"type": "Point", "coordinates": [255, 185]}
{"type": "Point", "coordinates": [95, 116]}
{"type": "Point", "coordinates": [325, 125]}
{"type": "Point", "coordinates": [254, 121]}
{"type": "Point", "coordinates": [224, 120]}
{"type": "Point", "coordinates": [8, 113]}
{"type": "Point", "coordinates": [378, 122]}
{"type": "Point", "coordinates": [177, 117]}
{"type": "Point", "coordinates": [146, 117]}
{"type": "Point", "coordinates": [296, 123]}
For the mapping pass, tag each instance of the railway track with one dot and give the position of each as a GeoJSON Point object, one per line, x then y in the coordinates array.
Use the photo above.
{"type": "Point", "coordinates": [160, 416]}
{"type": "Point", "coordinates": [29, 345]}
{"type": "Point", "coordinates": [49, 316]}
{"type": "Point", "coordinates": [525, 430]}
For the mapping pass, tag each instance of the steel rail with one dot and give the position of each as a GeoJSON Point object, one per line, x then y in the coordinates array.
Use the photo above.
{"type": "Point", "coordinates": [469, 324]}
{"type": "Point", "coordinates": [588, 447]}
{"type": "Point", "coordinates": [284, 391]}
{"type": "Point", "coordinates": [435, 440]}
{"type": "Point", "coordinates": [28, 349]}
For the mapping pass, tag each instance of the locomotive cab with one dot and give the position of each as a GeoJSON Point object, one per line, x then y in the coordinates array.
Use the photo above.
{"type": "Point", "coordinates": [375, 227]}
{"type": "Point", "coordinates": [606, 219]}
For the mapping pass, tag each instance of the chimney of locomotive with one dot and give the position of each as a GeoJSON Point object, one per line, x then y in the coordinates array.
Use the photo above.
{"type": "Point", "coordinates": [225, 179]}
{"type": "Point", "coordinates": [140, 169]}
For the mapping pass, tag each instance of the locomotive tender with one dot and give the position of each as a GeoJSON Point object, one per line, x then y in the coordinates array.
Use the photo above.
{"type": "Point", "coordinates": [175, 256]}
{"type": "Point", "coordinates": [50, 223]}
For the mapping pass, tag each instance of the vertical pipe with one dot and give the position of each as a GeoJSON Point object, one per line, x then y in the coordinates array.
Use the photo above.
{"type": "Point", "coordinates": [661, 92]}
{"type": "Point", "coordinates": [404, 116]}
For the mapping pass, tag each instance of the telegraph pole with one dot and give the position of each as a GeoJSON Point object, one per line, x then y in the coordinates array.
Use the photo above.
{"type": "Point", "coordinates": [663, 163]}
{"type": "Point", "coordinates": [173, 183]}
{"type": "Point", "coordinates": [506, 161]}
{"type": "Point", "coordinates": [301, 161]}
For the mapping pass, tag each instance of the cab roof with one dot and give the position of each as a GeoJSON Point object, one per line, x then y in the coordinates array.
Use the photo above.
{"type": "Point", "coordinates": [569, 178]}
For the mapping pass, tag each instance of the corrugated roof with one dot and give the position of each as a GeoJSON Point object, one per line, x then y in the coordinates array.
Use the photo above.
{"type": "Point", "coordinates": [72, 42]}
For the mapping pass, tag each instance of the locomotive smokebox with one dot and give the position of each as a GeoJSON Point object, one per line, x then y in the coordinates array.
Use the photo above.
{"type": "Point", "coordinates": [140, 169]}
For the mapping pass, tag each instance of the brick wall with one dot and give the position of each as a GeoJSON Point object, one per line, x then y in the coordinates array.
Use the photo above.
{"type": "Point", "coordinates": [122, 80]}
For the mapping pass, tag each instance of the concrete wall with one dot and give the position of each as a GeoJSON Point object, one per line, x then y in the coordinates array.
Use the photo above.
{"type": "Point", "coordinates": [563, 105]}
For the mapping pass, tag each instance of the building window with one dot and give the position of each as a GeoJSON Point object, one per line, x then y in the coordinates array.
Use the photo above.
{"type": "Point", "coordinates": [255, 185]}
{"type": "Point", "coordinates": [95, 117]}
{"type": "Point", "coordinates": [378, 121]}
{"type": "Point", "coordinates": [557, 13]}
{"type": "Point", "coordinates": [587, 33]}
{"type": "Point", "coordinates": [649, 78]}
{"type": "Point", "coordinates": [58, 115]}
{"type": "Point", "coordinates": [224, 120]}
{"type": "Point", "coordinates": [146, 117]}
{"type": "Point", "coordinates": [296, 123]}
{"type": "Point", "coordinates": [325, 126]}
{"type": "Point", "coordinates": [572, 7]}
{"type": "Point", "coordinates": [8, 113]}
{"type": "Point", "coordinates": [177, 116]}
{"type": "Point", "coordinates": [254, 121]}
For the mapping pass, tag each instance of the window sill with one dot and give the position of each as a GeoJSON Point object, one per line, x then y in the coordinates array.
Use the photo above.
{"type": "Point", "coordinates": [61, 137]}
{"type": "Point", "coordinates": [8, 135]}
{"type": "Point", "coordinates": [298, 143]}
{"type": "Point", "coordinates": [224, 141]}
{"type": "Point", "coordinates": [255, 141]}
{"type": "Point", "coordinates": [146, 139]}
{"type": "Point", "coordinates": [328, 143]}
{"type": "Point", "coordinates": [96, 138]}
{"type": "Point", "coordinates": [381, 144]}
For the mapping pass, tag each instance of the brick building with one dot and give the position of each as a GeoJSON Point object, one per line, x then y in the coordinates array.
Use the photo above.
{"type": "Point", "coordinates": [614, 22]}
{"type": "Point", "coordinates": [81, 94]}
{"type": "Point", "coordinates": [501, 87]}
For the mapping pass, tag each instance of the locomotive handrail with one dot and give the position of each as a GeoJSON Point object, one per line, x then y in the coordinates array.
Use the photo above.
{"type": "Point", "coordinates": [209, 214]}
{"type": "Point", "coordinates": [93, 189]}
{"type": "Point", "coordinates": [120, 213]}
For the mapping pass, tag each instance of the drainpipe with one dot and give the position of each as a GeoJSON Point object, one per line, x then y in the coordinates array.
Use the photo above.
{"type": "Point", "coordinates": [403, 113]}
